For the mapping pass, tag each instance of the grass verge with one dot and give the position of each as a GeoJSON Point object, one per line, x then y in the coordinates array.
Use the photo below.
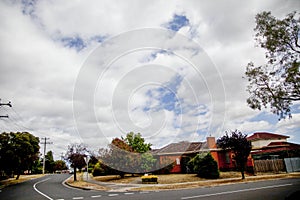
{"type": "Point", "coordinates": [83, 185]}
{"type": "Point", "coordinates": [211, 183]}
{"type": "Point", "coordinates": [22, 178]}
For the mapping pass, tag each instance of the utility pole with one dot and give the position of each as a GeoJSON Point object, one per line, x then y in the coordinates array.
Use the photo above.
{"type": "Point", "coordinates": [45, 143]}
{"type": "Point", "coordinates": [5, 104]}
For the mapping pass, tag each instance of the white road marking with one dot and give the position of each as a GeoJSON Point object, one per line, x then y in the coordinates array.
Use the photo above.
{"type": "Point", "coordinates": [77, 197]}
{"type": "Point", "coordinates": [236, 191]}
{"type": "Point", "coordinates": [112, 195]}
{"type": "Point", "coordinates": [144, 192]}
{"type": "Point", "coordinates": [96, 196]}
{"type": "Point", "coordinates": [128, 193]}
{"type": "Point", "coordinates": [34, 187]}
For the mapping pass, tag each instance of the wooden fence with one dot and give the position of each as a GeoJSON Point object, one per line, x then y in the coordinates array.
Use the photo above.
{"type": "Point", "coordinates": [269, 165]}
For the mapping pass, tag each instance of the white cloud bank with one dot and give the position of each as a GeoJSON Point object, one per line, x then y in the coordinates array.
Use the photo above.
{"type": "Point", "coordinates": [45, 44]}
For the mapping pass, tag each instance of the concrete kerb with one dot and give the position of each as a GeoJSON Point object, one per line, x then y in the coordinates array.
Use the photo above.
{"type": "Point", "coordinates": [121, 187]}
{"type": "Point", "coordinates": [66, 184]}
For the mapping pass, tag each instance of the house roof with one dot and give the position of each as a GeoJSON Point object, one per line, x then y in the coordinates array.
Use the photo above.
{"type": "Point", "coordinates": [265, 136]}
{"type": "Point", "coordinates": [277, 147]}
{"type": "Point", "coordinates": [181, 148]}
{"type": "Point", "coordinates": [286, 144]}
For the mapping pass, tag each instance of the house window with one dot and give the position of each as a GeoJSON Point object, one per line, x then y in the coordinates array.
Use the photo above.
{"type": "Point", "coordinates": [177, 161]}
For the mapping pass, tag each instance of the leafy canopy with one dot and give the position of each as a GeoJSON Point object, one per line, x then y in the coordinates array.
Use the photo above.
{"type": "Point", "coordinates": [18, 152]}
{"type": "Point", "coordinates": [129, 154]}
{"type": "Point", "coordinates": [277, 83]}
{"type": "Point", "coordinates": [239, 145]}
{"type": "Point", "coordinates": [137, 142]}
{"type": "Point", "coordinates": [75, 155]}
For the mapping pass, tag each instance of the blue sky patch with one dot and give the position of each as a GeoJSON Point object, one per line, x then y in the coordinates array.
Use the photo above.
{"type": "Point", "coordinates": [265, 116]}
{"type": "Point", "coordinates": [78, 43]}
{"type": "Point", "coordinates": [74, 42]}
{"type": "Point", "coordinates": [98, 38]}
{"type": "Point", "coordinates": [177, 22]}
{"type": "Point", "coordinates": [28, 7]}
{"type": "Point", "coordinates": [166, 95]}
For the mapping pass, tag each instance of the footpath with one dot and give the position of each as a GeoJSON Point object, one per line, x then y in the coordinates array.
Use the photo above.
{"type": "Point", "coordinates": [121, 187]}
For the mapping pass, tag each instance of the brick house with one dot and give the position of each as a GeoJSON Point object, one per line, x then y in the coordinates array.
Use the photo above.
{"type": "Point", "coordinates": [182, 151]}
{"type": "Point", "coordinates": [271, 146]}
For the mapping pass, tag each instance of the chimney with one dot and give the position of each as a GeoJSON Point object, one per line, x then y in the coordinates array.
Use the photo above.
{"type": "Point", "coordinates": [211, 143]}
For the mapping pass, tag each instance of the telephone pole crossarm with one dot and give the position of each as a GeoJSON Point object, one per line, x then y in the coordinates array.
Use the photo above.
{"type": "Point", "coordinates": [5, 104]}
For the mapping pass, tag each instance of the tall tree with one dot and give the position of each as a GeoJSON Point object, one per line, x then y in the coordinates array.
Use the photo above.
{"type": "Point", "coordinates": [18, 152]}
{"type": "Point", "coordinates": [59, 165]}
{"type": "Point", "coordinates": [137, 142]}
{"type": "Point", "coordinates": [241, 147]}
{"type": "Point", "coordinates": [277, 83]}
{"type": "Point", "coordinates": [75, 155]}
{"type": "Point", "coordinates": [128, 154]}
{"type": "Point", "coordinates": [49, 162]}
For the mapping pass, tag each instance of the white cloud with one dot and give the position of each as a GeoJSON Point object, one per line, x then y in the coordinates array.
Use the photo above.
{"type": "Point", "coordinates": [38, 70]}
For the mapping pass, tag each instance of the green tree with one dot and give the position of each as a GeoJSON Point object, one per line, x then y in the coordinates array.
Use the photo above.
{"type": "Point", "coordinates": [75, 155]}
{"type": "Point", "coordinates": [205, 166]}
{"type": "Point", "coordinates": [277, 83]}
{"type": "Point", "coordinates": [18, 152]}
{"type": "Point", "coordinates": [49, 162]}
{"type": "Point", "coordinates": [147, 162]}
{"type": "Point", "coordinates": [137, 142]}
{"type": "Point", "coordinates": [98, 170]}
{"type": "Point", "coordinates": [59, 165]}
{"type": "Point", "coordinates": [128, 154]}
{"type": "Point", "coordinates": [241, 147]}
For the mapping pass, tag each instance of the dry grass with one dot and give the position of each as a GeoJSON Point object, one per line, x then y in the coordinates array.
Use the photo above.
{"type": "Point", "coordinates": [209, 183]}
{"type": "Point", "coordinates": [22, 178]}
{"type": "Point", "coordinates": [163, 178]}
{"type": "Point", "coordinates": [82, 184]}
{"type": "Point", "coordinates": [183, 181]}
{"type": "Point", "coordinates": [109, 178]}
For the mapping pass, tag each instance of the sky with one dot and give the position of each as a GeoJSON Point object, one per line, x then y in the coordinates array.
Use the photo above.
{"type": "Point", "coordinates": [89, 71]}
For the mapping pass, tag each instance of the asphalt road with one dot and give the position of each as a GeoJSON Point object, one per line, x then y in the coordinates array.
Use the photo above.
{"type": "Point", "coordinates": [50, 187]}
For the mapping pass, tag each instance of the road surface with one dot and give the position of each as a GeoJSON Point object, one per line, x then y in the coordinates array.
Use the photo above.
{"type": "Point", "coordinates": [50, 187]}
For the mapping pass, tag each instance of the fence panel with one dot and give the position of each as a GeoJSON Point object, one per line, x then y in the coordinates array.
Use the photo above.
{"type": "Point", "coordinates": [269, 165]}
{"type": "Point", "coordinates": [292, 164]}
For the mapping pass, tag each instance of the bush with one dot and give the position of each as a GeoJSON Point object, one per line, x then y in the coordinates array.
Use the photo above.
{"type": "Point", "coordinates": [98, 171]}
{"type": "Point", "coordinates": [205, 166]}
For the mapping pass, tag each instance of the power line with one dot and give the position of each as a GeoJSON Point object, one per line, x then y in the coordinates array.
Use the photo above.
{"type": "Point", "coordinates": [5, 104]}
{"type": "Point", "coordinates": [45, 143]}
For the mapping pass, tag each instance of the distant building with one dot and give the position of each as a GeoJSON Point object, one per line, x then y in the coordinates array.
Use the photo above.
{"type": "Point", "coordinates": [272, 146]}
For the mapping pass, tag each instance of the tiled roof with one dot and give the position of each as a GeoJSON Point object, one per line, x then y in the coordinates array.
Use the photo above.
{"type": "Point", "coordinates": [276, 144]}
{"type": "Point", "coordinates": [181, 147]}
{"type": "Point", "coordinates": [266, 136]}
{"type": "Point", "coordinates": [277, 147]}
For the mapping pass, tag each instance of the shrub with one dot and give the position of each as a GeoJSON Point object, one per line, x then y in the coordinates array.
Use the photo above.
{"type": "Point", "coordinates": [98, 171]}
{"type": "Point", "coordinates": [205, 166]}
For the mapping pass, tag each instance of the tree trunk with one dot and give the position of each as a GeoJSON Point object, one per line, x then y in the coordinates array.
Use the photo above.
{"type": "Point", "coordinates": [75, 179]}
{"type": "Point", "coordinates": [18, 176]}
{"type": "Point", "coordinates": [243, 174]}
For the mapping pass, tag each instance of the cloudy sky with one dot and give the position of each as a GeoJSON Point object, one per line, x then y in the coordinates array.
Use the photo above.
{"type": "Point", "coordinates": [89, 71]}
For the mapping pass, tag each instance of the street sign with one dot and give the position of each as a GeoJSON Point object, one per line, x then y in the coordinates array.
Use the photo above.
{"type": "Point", "coordinates": [87, 159]}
